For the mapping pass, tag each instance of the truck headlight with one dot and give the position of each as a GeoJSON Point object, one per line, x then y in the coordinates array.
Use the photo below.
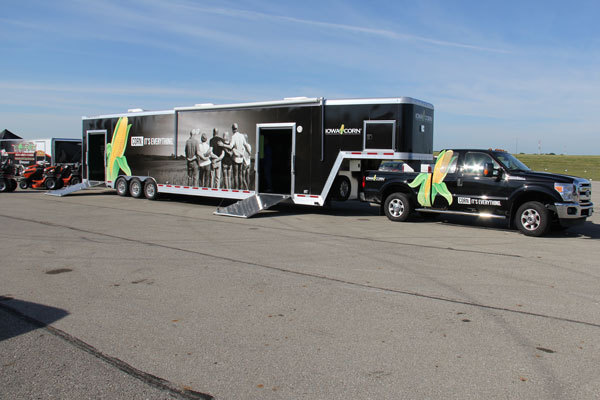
{"type": "Point", "coordinates": [566, 191]}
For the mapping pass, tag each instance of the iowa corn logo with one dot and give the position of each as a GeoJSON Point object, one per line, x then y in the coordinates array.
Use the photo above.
{"type": "Point", "coordinates": [115, 150]}
{"type": "Point", "coordinates": [433, 184]}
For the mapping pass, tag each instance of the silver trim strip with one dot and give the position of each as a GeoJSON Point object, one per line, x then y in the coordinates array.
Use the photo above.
{"type": "Point", "coordinates": [132, 114]}
{"type": "Point", "coordinates": [314, 100]}
{"type": "Point", "coordinates": [481, 215]}
{"type": "Point", "coordinates": [384, 100]}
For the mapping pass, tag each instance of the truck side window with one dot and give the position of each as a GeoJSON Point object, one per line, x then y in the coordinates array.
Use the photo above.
{"type": "Point", "coordinates": [474, 163]}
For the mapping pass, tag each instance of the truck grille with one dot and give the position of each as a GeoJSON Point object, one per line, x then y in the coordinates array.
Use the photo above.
{"type": "Point", "coordinates": [584, 191]}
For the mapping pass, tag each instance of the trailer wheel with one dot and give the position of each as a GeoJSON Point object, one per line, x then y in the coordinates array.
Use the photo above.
{"type": "Point", "coordinates": [24, 184]}
{"type": "Point", "coordinates": [533, 219]}
{"type": "Point", "coordinates": [397, 207]}
{"type": "Point", "coordinates": [122, 186]}
{"type": "Point", "coordinates": [150, 189]}
{"type": "Point", "coordinates": [75, 180]}
{"type": "Point", "coordinates": [136, 188]}
{"type": "Point", "coordinates": [51, 183]}
{"type": "Point", "coordinates": [3, 185]}
{"type": "Point", "coordinates": [13, 185]}
{"type": "Point", "coordinates": [341, 188]}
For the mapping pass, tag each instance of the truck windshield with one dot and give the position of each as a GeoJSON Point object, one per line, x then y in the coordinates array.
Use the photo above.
{"type": "Point", "coordinates": [511, 162]}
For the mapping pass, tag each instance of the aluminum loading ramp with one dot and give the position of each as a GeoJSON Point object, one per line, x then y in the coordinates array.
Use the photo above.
{"type": "Point", "coordinates": [252, 205]}
{"type": "Point", "coordinates": [74, 188]}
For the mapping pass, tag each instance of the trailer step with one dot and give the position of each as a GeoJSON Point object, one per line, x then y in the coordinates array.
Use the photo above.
{"type": "Point", "coordinates": [251, 205]}
{"type": "Point", "coordinates": [74, 188]}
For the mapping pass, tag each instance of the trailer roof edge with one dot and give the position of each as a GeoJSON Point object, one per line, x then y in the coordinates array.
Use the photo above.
{"type": "Point", "coordinates": [291, 101]}
{"type": "Point", "coordinates": [383, 100]}
{"type": "Point", "coordinates": [129, 114]}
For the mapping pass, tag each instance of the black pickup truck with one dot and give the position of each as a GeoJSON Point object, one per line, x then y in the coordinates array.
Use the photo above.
{"type": "Point", "coordinates": [484, 183]}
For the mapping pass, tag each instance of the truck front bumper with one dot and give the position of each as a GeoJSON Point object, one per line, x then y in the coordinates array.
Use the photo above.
{"type": "Point", "coordinates": [573, 211]}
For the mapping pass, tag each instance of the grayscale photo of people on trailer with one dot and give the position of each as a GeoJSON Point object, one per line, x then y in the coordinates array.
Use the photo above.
{"type": "Point", "coordinates": [219, 156]}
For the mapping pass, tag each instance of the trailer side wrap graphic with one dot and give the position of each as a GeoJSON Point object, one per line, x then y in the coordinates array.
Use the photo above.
{"type": "Point", "coordinates": [116, 161]}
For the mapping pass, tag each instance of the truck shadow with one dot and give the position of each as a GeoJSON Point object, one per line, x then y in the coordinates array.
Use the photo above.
{"type": "Point", "coordinates": [20, 317]}
{"type": "Point", "coordinates": [587, 230]}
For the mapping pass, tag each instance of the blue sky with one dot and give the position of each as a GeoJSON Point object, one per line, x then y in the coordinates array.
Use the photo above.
{"type": "Point", "coordinates": [502, 74]}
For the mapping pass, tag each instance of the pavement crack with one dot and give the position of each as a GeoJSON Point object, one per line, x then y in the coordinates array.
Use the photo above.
{"type": "Point", "coordinates": [152, 380]}
{"type": "Point", "coordinates": [317, 276]}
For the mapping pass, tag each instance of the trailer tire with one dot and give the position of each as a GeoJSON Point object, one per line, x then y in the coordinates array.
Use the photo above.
{"type": "Point", "coordinates": [13, 185]}
{"type": "Point", "coordinates": [75, 180]}
{"type": "Point", "coordinates": [24, 185]}
{"type": "Point", "coordinates": [122, 186]}
{"type": "Point", "coordinates": [397, 207]}
{"type": "Point", "coordinates": [136, 188]}
{"type": "Point", "coordinates": [150, 189]}
{"type": "Point", "coordinates": [51, 184]}
{"type": "Point", "coordinates": [532, 219]}
{"type": "Point", "coordinates": [3, 185]}
{"type": "Point", "coordinates": [341, 188]}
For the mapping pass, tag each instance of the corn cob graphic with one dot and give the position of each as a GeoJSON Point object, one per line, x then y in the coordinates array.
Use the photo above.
{"type": "Point", "coordinates": [116, 148]}
{"type": "Point", "coordinates": [433, 184]}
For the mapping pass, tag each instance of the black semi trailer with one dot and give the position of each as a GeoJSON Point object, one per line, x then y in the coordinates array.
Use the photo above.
{"type": "Point", "coordinates": [305, 150]}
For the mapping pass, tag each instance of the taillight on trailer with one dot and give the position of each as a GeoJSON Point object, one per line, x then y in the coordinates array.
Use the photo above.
{"type": "Point", "coordinates": [363, 182]}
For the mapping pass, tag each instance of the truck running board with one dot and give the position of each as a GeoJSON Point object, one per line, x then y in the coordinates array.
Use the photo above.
{"type": "Point", "coordinates": [251, 205]}
{"type": "Point", "coordinates": [74, 188]}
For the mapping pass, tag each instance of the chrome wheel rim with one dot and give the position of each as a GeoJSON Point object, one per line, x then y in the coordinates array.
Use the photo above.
{"type": "Point", "coordinates": [150, 190]}
{"type": "Point", "coordinates": [135, 188]}
{"type": "Point", "coordinates": [344, 189]}
{"type": "Point", "coordinates": [121, 186]}
{"type": "Point", "coordinates": [396, 207]}
{"type": "Point", "coordinates": [530, 219]}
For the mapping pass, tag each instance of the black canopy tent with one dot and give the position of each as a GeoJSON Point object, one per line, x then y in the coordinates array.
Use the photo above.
{"type": "Point", "coordinates": [6, 134]}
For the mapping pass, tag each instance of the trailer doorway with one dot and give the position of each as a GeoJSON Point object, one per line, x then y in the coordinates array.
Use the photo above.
{"type": "Point", "coordinates": [275, 158]}
{"type": "Point", "coordinates": [95, 155]}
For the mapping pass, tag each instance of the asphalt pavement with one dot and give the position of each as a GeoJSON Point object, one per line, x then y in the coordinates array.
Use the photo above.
{"type": "Point", "coordinates": [122, 298]}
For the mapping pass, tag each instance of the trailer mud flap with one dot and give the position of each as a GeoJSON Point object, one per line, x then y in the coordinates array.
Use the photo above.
{"type": "Point", "coordinates": [252, 205]}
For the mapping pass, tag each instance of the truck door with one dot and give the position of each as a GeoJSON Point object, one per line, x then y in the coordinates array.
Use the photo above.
{"type": "Point", "coordinates": [476, 192]}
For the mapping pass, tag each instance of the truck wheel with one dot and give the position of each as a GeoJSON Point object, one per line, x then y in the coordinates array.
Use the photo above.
{"type": "Point", "coordinates": [3, 186]}
{"type": "Point", "coordinates": [13, 185]}
{"type": "Point", "coordinates": [136, 188]}
{"type": "Point", "coordinates": [341, 188]}
{"type": "Point", "coordinates": [122, 186]}
{"type": "Point", "coordinates": [50, 183]}
{"type": "Point", "coordinates": [150, 190]}
{"type": "Point", "coordinates": [397, 207]}
{"type": "Point", "coordinates": [24, 185]}
{"type": "Point", "coordinates": [532, 219]}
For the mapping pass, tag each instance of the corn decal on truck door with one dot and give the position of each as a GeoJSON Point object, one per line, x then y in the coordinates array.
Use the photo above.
{"type": "Point", "coordinates": [116, 161]}
{"type": "Point", "coordinates": [433, 184]}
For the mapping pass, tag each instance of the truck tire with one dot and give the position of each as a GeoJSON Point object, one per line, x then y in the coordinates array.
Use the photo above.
{"type": "Point", "coordinates": [341, 188]}
{"type": "Point", "coordinates": [13, 185]}
{"type": "Point", "coordinates": [397, 207]}
{"type": "Point", "coordinates": [533, 219]}
{"type": "Point", "coordinates": [136, 188]}
{"type": "Point", "coordinates": [150, 189]}
{"type": "Point", "coordinates": [122, 186]}
{"type": "Point", "coordinates": [51, 183]}
{"type": "Point", "coordinates": [4, 185]}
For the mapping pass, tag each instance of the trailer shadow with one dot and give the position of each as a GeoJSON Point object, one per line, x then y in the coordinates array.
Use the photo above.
{"type": "Point", "coordinates": [20, 317]}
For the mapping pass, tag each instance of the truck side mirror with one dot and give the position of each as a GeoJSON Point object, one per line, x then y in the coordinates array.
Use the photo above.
{"type": "Point", "coordinates": [488, 169]}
